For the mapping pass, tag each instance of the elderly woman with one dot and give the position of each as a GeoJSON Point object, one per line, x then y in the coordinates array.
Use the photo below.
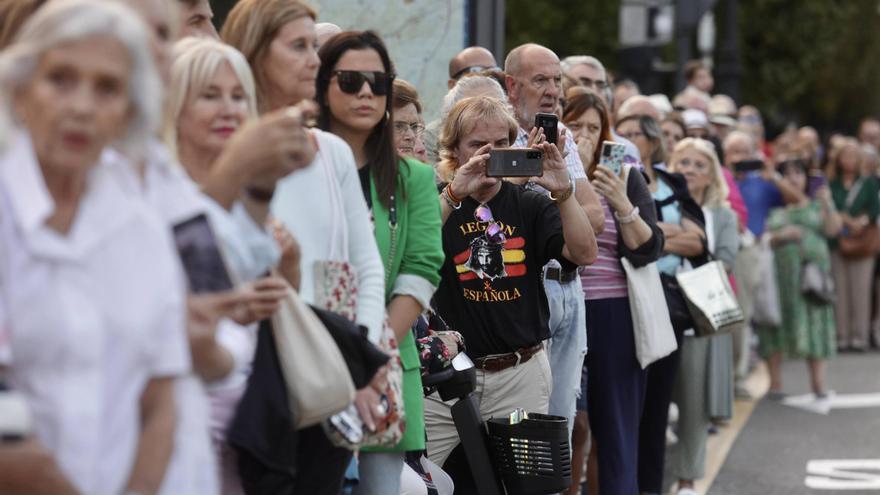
{"type": "Point", "coordinates": [856, 198]}
{"type": "Point", "coordinates": [496, 237]}
{"type": "Point", "coordinates": [323, 204]}
{"type": "Point", "coordinates": [409, 125]}
{"type": "Point", "coordinates": [92, 340]}
{"type": "Point", "coordinates": [704, 388]}
{"type": "Point", "coordinates": [681, 221]}
{"type": "Point", "coordinates": [466, 87]}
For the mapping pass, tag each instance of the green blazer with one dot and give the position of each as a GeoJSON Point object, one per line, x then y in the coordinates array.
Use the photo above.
{"type": "Point", "coordinates": [418, 251]}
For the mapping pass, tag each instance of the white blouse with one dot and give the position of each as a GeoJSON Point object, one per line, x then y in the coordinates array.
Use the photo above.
{"type": "Point", "coordinates": [303, 202]}
{"type": "Point", "coordinates": [91, 316]}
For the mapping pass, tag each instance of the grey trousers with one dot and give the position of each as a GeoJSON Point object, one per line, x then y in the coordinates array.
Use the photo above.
{"type": "Point", "coordinates": [853, 279]}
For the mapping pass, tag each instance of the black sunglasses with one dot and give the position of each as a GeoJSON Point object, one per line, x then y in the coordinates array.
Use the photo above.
{"type": "Point", "coordinates": [351, 81]}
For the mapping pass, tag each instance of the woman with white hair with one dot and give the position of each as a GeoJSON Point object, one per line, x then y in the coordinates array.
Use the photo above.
{"type": "Point", "coordinates": [91, 339]}
{"type": "Point", "coordinates": [704, 387]}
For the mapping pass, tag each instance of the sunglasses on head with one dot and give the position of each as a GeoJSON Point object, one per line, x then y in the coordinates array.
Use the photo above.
{"type": "Point", "coordinates": [351, 81]}
{"type": "Point", "coordinates": [493, 230]}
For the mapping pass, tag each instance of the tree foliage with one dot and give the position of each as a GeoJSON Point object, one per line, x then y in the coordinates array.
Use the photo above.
{"type": "Point", "coordinates": [811, 62]}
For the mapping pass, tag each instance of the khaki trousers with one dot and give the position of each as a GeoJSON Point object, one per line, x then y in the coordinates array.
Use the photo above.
{"type": "Point", "coordinates": [852, 308]}
{"type": "Point", "coordinates": [527, 386]}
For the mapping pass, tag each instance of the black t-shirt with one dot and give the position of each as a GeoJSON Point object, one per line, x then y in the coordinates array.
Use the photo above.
{"type": "Point", "coordinates": [493, 293]}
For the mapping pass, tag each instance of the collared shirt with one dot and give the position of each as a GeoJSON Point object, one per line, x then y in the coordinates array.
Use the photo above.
{"type": "Point", "coordinates": [92, 316]}
{"type": "Point", "coordinates": [572, 162]}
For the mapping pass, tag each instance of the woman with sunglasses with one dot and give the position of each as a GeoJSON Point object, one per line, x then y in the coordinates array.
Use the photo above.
{"type": "Point", "coordinates": [497, 236]}
{"type": "Point", "coordinates": [354, 92]}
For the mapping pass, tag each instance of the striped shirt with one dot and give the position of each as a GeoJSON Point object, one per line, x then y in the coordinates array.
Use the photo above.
{"type": "Point", "coordinates": [605, 279]}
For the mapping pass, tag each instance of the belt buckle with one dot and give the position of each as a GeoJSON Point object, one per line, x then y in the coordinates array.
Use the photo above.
{"type": "Point", "coordinates": [518, 358]}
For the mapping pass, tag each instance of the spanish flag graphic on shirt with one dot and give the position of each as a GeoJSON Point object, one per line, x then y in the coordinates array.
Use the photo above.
{"type": "Point", "coordinates": [486, 260]}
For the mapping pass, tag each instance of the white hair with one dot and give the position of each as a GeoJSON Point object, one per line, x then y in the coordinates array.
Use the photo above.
{"type": "Point", "coordinates": [195, 61]}
{"type": "Point", "coordinates": [66, 21]}
{"type": "Point", "coordinates": [471, 86]}
{"type": "Point", "coordinates": [574, 60]}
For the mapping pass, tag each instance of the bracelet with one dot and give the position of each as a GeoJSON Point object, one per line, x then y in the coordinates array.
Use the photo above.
{"type": "Point", "coordinates": [451, 196]}
{"type": "Point", "coordinates": [452, 204]}
{"type": "Point", "coordinates": [633, 215]}
{"type": "Point", "coordinates": [566, 194]}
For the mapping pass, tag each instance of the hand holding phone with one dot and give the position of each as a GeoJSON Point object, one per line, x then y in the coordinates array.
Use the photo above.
{"type": "Point", "coordinates": [549, 122]}
{"type": "Point", "coordinates": [611, 156]}
{"type": "Point", "coordinates": [201, 256]}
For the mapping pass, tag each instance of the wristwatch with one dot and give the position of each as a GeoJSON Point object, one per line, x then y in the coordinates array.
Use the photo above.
{"type": "Point", "coordinates": [565, 194]}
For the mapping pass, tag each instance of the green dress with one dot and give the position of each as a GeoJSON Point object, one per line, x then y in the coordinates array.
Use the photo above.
{"type": "Point", "coordinates": [808, 328]}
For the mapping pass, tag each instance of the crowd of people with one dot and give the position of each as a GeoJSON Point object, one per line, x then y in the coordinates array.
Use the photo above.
{"type": "Point", "coordinates": [307, 162]}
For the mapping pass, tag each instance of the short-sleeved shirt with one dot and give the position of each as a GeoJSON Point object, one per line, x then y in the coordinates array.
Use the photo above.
{"type": "Point", "coordinates": [493, 293]}
{"type": "Point", "coordinates": [760, 196]}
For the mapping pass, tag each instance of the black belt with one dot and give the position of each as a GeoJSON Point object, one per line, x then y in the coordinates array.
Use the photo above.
{"type": "Point", "coordinates": [559, 275]}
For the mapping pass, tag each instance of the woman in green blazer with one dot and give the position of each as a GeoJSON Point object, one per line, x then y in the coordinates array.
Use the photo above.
{"type": "Point", "coordinates": [354, 85]}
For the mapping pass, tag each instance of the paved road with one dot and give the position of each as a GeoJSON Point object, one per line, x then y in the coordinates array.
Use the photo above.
{"type": "Point", "coordinates": [771, 454]}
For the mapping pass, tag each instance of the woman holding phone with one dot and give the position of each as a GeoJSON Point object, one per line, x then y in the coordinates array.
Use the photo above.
{"type": "Point", "coordinates": [616, 381]}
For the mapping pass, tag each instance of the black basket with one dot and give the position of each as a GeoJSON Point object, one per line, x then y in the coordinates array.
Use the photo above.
{"type": "Point", "coordinates": [532, 456]}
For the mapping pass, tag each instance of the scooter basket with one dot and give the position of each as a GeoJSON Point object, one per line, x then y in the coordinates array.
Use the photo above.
{"type": "Point", "coordinates": [532, 456]}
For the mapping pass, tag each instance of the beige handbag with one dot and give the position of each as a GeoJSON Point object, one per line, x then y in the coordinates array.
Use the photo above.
{"type": "Point", "coordinates": [318, 381]}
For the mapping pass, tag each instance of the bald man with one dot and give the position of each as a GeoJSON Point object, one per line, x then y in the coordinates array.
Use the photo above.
{"type": "Point", "coordinates": [534, 83]}
{"type": "Point", "coordinates": [471, 59]}
{"type": "Point", "coordinates": [638, 105]}
{"type": "Point", "coordinates": [324, 31]}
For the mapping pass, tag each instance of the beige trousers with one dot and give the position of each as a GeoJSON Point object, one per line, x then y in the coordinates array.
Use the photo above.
{"type": "Point", "coordinates": [527, 386]}
{"type": "Point", "coordinates": [853, 279]}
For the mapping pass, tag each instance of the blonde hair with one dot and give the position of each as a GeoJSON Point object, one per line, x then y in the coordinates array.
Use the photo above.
{"type": "Point", "coordinates": [195, 62]}
{"type": "Point", "coordinates": [253, 24]}
{"type": "Point", "coordinates": [461, 121]}
{"type": "Point", "coordinates": [717, 190]}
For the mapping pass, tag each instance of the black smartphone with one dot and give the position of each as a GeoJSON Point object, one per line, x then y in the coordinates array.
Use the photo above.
{"type": "Point", "coordinates": [748, 166]}
{"type": "Point", "coordinates": [515, 162]}
{"type": "Point", "coordinates": [201, 256]}
{"type": "Point", "coordinates": [550, 123]}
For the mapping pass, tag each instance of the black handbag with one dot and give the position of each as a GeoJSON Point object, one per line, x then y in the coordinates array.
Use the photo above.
{"type": "Point", "coordinates": [679, 313]}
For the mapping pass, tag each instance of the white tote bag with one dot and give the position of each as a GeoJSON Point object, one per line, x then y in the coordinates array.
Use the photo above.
{"type": "Point", "coordinates": [766, 293]}
{"type": "Point", "coordinates": [318, 382]}
{"type": "Point", "coordinates": [710, 299]}
{"type": "Point", "coordinates": [652, 328]}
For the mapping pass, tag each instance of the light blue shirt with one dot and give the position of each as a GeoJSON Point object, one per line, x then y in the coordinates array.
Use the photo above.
{"type": "Point", "coordinates": [671, 213]}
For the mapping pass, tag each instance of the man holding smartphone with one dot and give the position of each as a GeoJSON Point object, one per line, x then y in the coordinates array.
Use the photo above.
{"type": "Point", "coordinates": [534, 84]}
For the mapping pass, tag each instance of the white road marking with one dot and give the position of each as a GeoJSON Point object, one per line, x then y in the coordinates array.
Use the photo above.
{"type": "Point", "coordinates": [843, 474]}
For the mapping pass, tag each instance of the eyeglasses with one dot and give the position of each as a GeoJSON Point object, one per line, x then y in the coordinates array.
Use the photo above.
{"type": "Point", "coordinates": [596, 83]}
{"type": "Point", "coordinates": [472, 69]}
{"type": "Point", "coordinates": [401, 127]}
{"type": "Point", "coordinates": [351, 81]}
{"type": "Point", "coordinates": [631, 135]}
{"type": "Point", "coordinates": [493, 232]}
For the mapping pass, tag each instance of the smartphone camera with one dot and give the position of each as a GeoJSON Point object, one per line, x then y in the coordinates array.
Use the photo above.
{"type": "Point", "coordinates": [533, 155]}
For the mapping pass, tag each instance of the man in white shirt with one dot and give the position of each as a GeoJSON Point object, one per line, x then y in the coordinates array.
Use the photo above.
{"type": "Point", "coordinates": [534, 83]}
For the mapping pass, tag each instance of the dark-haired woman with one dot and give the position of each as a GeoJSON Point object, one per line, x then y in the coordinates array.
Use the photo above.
{"type": "Point", "coordinates": [354, 92]}
{"type": "Point", "coordinates": [616, 380]}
